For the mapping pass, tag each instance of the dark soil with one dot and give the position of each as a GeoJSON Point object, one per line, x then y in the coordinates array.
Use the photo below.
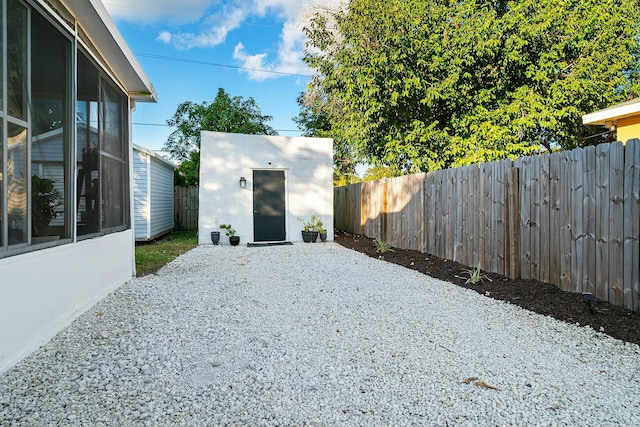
{"type": "Point", "coordinates": [529, 294]}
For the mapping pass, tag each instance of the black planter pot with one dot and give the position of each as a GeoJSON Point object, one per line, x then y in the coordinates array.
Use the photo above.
{"type": "Point", "coordinates": [323, 237]}
{"type": "Point", "coordinates": [215, 237]}
{"type": "Point", "coordinates": [234, 240]}
{"type": "Point", "coordinates": [309, 236]}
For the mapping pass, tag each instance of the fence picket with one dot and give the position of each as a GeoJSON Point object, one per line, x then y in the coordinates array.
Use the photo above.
{"type": "Point", "coordinates": [438, 208]}
{"type": "Point", "coordinates": [616, 223]}
{"type": "Point", "coordinates": [554, 218]}
{"type": "Point", "coordinates": [565, 220]}
{"type": "Point", "coordinates": [632, 225]}
{"type": "Point", "coordinates": [544, 254]}
{"type": "Point", "coordinates": [481, 215]}
{"type": "Point", "coordinates": [513, 219]}
{"type": "Point", "coordinates": [458, 209]}
{"type": "Point", "coordinates": [464, 233]}
{"type": "Point", "coordinates": [535, 217]}
{"type": "Point", "coordinates": [525, 217]}
{"type": "Point", "coordinates": [501, 219]}
{"type": "Point", "coordinates": [589, 223]}
{"type": "Point", "coordinates": [474, 188]}
{"type": "Point", "coordinates": [577, 219]}
{"type": "Point", "coordinates": [450, 221]}
{"type": "Point", "coordinates": [495, 207]}
{"type": "Point", "coordinates": [602, 222]}
{"type": "Point", "coordinates": [430, 212]}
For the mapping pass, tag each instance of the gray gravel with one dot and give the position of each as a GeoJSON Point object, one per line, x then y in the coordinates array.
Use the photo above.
{"type": "Point", "coordinates": [315, 334]}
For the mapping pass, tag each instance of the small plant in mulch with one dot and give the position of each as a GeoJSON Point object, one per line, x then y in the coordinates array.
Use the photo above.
{"type": "Point", "coordinates": [382, 246]}
{"type": "Point", "coordinates": [475, 276]}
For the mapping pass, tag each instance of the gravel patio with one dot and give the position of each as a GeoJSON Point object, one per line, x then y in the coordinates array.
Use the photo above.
{"type": "Point", "coordinates": [318, 335]}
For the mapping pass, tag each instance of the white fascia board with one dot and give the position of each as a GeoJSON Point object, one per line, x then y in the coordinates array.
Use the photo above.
{"type": "Point", "coordinates": [613, 113]}
{"type": "Point", "coordinates": [95, 19]}
{"type": "Point", "coordinates": [154, 155]}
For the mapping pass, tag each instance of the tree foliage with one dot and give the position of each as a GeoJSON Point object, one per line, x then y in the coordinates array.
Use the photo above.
{"type": "Point", "coordinates": [422, 85]}
{"type": "Point", "coordinates": [314, 121]}
{"type": "Point", "coordinates": [188, 172]}
{"type": "Point", "coordinates": [225, 114]}
{"type": "Point", "coordinates": [379, 172]}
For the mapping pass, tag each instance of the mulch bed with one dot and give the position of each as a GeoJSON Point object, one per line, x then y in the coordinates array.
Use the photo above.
{"type": "Point", "coordinates": [536, 296]}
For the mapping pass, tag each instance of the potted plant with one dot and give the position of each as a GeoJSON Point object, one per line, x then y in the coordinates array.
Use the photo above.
{"type": "Point", "coordinates": [215, 237]}
{"type": "Point", "coordinates": [45, 200]}
{"type": "Point", "coordinates": [231, 234]}
{"type": "Point", "coordinates": [323, 234]}
{"type": "Point", "coordinates": [311, 228]}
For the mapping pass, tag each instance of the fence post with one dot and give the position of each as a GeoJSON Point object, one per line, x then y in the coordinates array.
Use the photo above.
{"type": "Point", "coordinates": [383, 214]}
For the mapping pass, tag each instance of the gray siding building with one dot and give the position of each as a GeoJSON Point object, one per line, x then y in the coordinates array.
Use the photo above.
{"type": "Point", "coordinates": [152, 194]}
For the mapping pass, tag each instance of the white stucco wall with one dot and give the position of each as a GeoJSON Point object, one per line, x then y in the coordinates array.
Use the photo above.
{"type": "Point", "coordinates": [225, 157]}
{"type": "Point", "coordinates": [45, 290]}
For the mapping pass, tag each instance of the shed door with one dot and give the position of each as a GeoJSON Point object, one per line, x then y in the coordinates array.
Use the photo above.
{"type": "Point", "coordinates": [268, 206]}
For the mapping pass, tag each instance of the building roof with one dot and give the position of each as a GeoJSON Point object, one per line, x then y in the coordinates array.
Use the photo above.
{"type": "Point", "coordinates": [613, 113]}
{"type": "Point", "coordinates": [154, 155]}
{"type": "Point", "coordinates": [105, 35]}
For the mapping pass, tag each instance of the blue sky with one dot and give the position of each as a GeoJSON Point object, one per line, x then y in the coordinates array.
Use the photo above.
{"type": "Point", "coordinates": [177, 44]}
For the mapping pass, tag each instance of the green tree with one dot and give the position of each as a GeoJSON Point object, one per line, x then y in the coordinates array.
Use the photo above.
{"type": "Point", "coordinates": [314, 121]}
{"type": "Point", "coordinates": [188, 172]}
{"type": "Point", "coordinates": [224, 114]}
{"type": "Point", "coordinates": [379, 172]}
{"type": "Point", "coordinates": [422, 85]}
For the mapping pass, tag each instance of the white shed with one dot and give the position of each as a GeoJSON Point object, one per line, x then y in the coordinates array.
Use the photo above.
{"type": "Point", "coordinates": [285, 178]}
{"type": "Point", "coordinates": [152, 194]}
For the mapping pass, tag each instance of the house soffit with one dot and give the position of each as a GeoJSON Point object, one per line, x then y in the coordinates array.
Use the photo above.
{"type": "Point", "coordinates": [93, 17]}
{"type": "Point", "coordinates": [611, 114]}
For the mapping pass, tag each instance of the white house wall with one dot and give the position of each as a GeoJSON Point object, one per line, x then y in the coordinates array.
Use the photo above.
{"type": "Point", "coordinates": [225, 157]}
{"type": "Point", "coordinates": [45, 290]}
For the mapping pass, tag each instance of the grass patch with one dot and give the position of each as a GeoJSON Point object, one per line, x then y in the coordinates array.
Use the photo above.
{"type": "Point", "coordinates": [153, 255]}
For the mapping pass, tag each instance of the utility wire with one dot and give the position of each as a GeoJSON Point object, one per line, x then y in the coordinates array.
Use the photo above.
{"type": "Point", "coordinates": [213, 64]}
{"type": "Point", "coordinates": [165, 125]}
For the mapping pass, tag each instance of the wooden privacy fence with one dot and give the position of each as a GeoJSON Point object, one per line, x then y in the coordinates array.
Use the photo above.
{"type": "Point", "coordinates": [185, 205]}
{"type": "Point", "coordinates": [571, 218]}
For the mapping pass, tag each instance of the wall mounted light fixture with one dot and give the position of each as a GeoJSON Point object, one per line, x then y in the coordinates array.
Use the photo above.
{"type": "Point", "coordinates": [243, 182]}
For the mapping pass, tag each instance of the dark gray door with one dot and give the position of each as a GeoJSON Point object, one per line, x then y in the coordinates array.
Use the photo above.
{"type": "Point", "coordinates": [268, 206]}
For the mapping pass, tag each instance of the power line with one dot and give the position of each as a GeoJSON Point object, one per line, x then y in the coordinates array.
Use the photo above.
{"type": "Point", "coordinates": [150, 124]}
{"type": "Point", "coordinates": [213, 64]}
{"type": "Point", "coordinates": [166, 125]}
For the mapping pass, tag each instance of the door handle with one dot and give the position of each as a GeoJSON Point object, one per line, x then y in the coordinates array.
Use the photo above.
{"type": "Point", "coordinates": [256, 212]}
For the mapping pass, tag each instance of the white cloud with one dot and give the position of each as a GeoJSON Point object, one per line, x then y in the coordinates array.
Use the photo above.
{"type": "Point", "coordinates": [216, 18]}
{"type": "Point", "coordinates": [292, 43]}
{"type": "Point", "coordinates": [288, 60]}
{"type": "Point", "coordinates": [164, 37]}
{"type": "Point", "coordinates": [218, 25]}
